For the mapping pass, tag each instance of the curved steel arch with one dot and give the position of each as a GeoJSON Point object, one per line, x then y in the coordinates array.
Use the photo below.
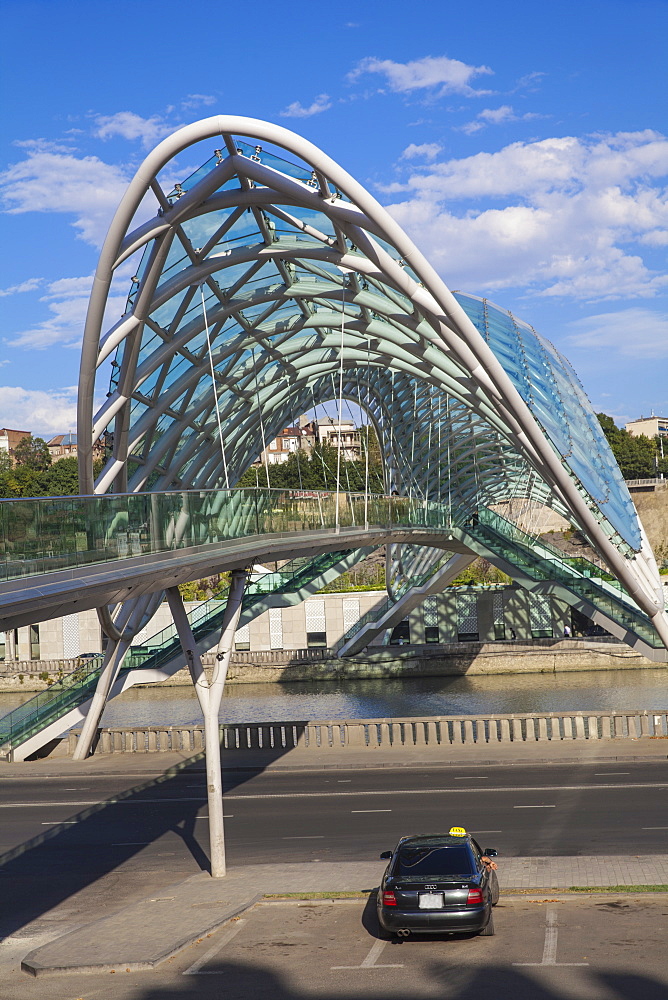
{"type": "Point", "coordinates": [293, 255]}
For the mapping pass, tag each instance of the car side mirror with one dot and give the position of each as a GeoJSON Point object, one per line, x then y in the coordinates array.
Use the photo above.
{"type": "Point", "coordinates": [491, 853]}
{"type": "Point", "coordinates": [386, 855]}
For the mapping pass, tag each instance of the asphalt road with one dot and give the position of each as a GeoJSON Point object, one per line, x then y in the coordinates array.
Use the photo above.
{"type": "Point", "coordinates": [549, 810]}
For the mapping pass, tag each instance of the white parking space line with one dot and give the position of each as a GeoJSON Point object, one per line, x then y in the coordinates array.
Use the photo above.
{"type": "Point", "coordinates": [225, 938]}
{"type": "Point", "coordinates": [370, 961]}
{"type": "Point", "coordinates": [534, 807]}
{"type": "Point", "coordinates": [550, 946]}
{"type": "Point", "coordinates": [371, 810]}
{"type": "Point", "coordinates": [319, 837]}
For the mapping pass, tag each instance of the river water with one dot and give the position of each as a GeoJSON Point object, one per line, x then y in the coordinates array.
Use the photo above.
{"type": "Point", "coordinates": [393, 698]}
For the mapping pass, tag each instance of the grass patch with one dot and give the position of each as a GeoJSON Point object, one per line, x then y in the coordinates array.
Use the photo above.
{"type": "Point", "coordinates": [362, 894]}
{"type": "Point", "coordinates": [618, 888]}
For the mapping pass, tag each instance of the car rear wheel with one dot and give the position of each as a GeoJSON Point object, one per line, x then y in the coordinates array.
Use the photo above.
{"type": "Point", "coordinates": [495, 891]}
{"type": "Point", "coordinates": [488, 929]}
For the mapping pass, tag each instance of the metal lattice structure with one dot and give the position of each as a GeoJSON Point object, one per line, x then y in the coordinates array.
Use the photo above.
{"type": "Point", "coordinates": [270, 281]}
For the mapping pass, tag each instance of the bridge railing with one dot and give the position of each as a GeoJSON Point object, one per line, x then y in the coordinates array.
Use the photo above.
{"type": "Point", "coordinates": [388, 734]}
{"type": "Point", "coordinates": [50, 534]}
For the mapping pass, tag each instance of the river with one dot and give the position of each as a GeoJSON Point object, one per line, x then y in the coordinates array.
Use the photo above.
{"type": "Point", "coordinates": [393, 698]}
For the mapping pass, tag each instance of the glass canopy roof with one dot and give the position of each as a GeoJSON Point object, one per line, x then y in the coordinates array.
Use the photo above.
{"type": "Point", "coordinates": [261, 277]}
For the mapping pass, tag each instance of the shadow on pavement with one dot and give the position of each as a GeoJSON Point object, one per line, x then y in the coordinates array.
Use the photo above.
{"type": "Point", "coordinates": [70, 856]}
{"type": "Point", "coordinates": [487, 982]}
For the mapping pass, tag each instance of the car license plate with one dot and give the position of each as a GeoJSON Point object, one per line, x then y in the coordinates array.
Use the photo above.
{"type": "Point", "coordinates": [431, 900]}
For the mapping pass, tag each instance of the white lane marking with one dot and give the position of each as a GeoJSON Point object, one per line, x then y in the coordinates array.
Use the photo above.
{"type": "Point", "coordinates": [624, 786]}
{"type": "Point", "coordinates": [534, 807]}
{"type": "Point", "coordinates": [225, 938]}
{"type": "Point", "coordinates": [654, 828]}
{"type": "Point", "coordinates": [319, 837]}
{"type": "Point", "coordinates": [607, 774]}
{"type": "Point", "coordinates": [60, 822]}
{"type": "Point", "coordinates": [370, 961]}
{"type": "Point", "coordinates": [474, 777]}
{"type": "Point", "coordinates": [371, 810]}
{"type": "Point", "coordinates": [344, 781]}
{"type": "Point", "coordinates": [332, 794]}
{"type": "Point", "coordinates": [550, 946]}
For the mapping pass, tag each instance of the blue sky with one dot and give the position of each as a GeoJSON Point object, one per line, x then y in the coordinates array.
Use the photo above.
{"type": "Point", "coordinates": [522, 146]}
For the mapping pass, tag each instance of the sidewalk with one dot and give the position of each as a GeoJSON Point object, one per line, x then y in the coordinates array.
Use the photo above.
{"type": "Point", "coordinates": [445, 755]}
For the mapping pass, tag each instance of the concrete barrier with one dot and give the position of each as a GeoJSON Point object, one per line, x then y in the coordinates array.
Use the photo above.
{"type": "Point", "coordinates": [393, 734]}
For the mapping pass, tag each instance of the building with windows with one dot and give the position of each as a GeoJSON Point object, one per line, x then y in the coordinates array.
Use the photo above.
{"type": "Point", "coordinates": [651, 427]}
{"type": "Point", "coordinates": [329, 430]}
{"type": "Point", "coordinates": [62, 446]}
{"type": "Point", "coordinates": [459, 614]}
{"type": "Point", "coordinates": [10, 438]}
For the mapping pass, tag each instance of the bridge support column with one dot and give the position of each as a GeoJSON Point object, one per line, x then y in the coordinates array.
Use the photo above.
{"type": "Point", "coordinates": [112, 664]}
{"type": "Point", "coordinates": [209, 695]}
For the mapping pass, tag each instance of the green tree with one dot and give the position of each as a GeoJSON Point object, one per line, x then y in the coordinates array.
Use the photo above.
{"type": "Point", "coordinates": [637, 457]}
{"type": "Point", "coordinates": [62, 478]}
{"type": "Point", "coordinates": [32, 453]}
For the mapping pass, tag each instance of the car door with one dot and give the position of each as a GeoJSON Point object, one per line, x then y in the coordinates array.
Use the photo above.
{"type": "Point", "coordinates": [482, 868]}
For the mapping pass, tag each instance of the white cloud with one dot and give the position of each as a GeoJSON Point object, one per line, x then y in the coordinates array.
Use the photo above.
{"type": "Point", "coordinates": [297, 110]}
{"type": "Point", "coordinates": [196, 100]}
{"type": "Point", "coordinates": [447, 75]}
{"type": "Point", "coordinates": [633, 333]}
{"type": "Point", "coordinates": [129, 125]}
{"type": "Point", "coordinates": [29, 285]}
{"type": "Point", "coordinates": [497, 116]}
{"type": "Point", "coordinates": [425, 151]}
{"type": "Point", "coordinates": [563, 216]}
{"type": "Point", "coordinates": [67, 300]}
{"type": "Point", "coordinates": [85, 187]}
{"type": "Point", "coordinates": [44, 413]}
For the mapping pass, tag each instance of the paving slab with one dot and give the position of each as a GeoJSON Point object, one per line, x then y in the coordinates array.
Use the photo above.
{"type": "Point", "coordinates": [141, 936]}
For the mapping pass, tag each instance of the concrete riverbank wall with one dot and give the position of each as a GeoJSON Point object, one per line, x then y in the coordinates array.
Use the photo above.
{"type": "Point", "coordinates": [448, 660]}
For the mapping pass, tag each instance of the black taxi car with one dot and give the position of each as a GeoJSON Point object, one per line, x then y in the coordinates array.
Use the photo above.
{"type": "Point", "coordinates": [438, 883]}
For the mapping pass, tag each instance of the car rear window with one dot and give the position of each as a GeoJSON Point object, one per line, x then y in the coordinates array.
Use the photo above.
{"type": "Point", "coordinates": [433, 861]}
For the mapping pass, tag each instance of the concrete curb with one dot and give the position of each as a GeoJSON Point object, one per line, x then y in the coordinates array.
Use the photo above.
{"type": "Point", "coordinates": [32, 965]}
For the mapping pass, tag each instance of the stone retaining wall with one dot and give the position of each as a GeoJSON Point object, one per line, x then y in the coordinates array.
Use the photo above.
{"type": "Point", "coordinates": [454, 659]}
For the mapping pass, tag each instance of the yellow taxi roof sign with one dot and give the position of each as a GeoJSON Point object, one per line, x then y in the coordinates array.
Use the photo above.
{"type": "Point", "coordinates": [457, 831]}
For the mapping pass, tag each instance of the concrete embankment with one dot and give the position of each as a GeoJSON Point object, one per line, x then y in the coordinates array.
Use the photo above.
{"type": "Point", "coordinates": [454, 660]}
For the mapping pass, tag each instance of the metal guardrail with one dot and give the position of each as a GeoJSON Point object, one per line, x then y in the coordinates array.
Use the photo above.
{"type": "Point", "coordinates": [648, 483]}
{"type": "Point", "coordinates": [397, 734]}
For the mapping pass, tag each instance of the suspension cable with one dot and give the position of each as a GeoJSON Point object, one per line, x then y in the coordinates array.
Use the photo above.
{"type": "Point", "coordinates": [215, 391]}
{"type": "Point", "coordinates": [338, 450]}
{"type": "Point", "coordinates": [259, 410]}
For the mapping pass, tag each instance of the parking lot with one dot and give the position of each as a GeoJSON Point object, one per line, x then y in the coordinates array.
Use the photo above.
{"type": "Point", "coordinates": [602, 947]}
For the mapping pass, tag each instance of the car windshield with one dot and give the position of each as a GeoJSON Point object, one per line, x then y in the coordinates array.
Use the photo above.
{"type": "Point", "coordinates": [434, 861]}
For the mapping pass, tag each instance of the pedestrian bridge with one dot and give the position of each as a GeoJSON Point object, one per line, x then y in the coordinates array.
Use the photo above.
{"type": "Point", "coordinates": [267, 285]}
